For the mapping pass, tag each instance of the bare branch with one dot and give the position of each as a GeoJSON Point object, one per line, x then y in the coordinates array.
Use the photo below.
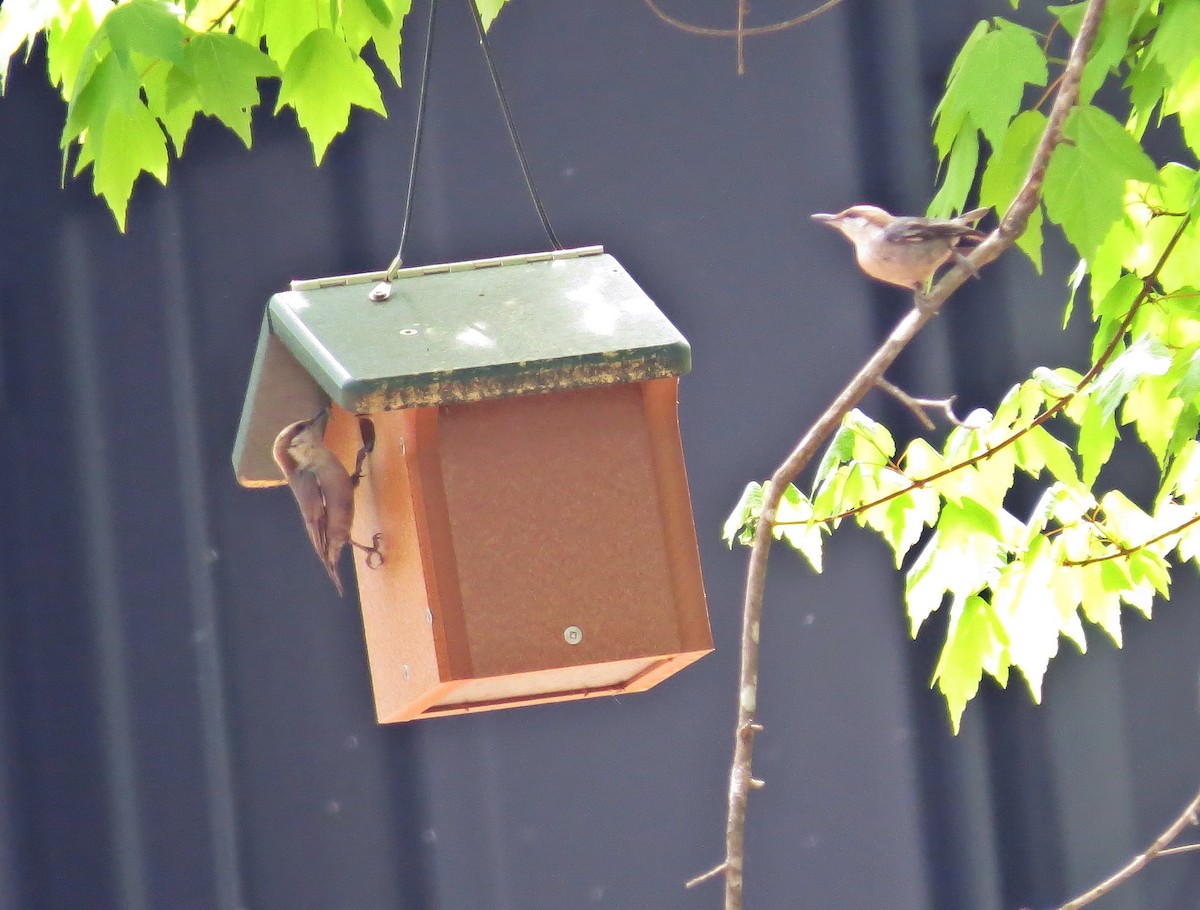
{"type": "Point", "coordinates": [918, 405]}
{"type": "Point", "coordinates": [1011, 227]}
{"type": "Point", "coordinates": [1182, 848]}
{"type": "Point", "coordinates": [1160, 847]}
{"type": "Point", "coordinates": [700, 879]}
{"type": "Point", "coordinates": [706, 32]}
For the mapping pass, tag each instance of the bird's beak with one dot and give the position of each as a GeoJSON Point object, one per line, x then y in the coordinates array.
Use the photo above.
{"type": "Point", "coordinates": [821, 216]}
{"type": "Point", "coordinates": [321, 418]}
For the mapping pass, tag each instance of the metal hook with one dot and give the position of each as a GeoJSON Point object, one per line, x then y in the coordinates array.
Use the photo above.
{"type": "Point", "coordinates": [383, 290]}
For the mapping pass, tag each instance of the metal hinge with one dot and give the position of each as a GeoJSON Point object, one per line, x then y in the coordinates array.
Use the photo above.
{"type": "Point", "coordinates": [313, 284]}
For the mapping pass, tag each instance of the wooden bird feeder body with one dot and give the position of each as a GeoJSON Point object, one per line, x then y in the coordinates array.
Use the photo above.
{"type": "Point", "coordinates": [527, 477]}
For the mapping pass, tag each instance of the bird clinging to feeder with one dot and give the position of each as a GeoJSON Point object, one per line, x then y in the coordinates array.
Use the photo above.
{"type": "Point", "coordinates": [323, 488]}
{"type": "Point", "coordinates": [905, 251]}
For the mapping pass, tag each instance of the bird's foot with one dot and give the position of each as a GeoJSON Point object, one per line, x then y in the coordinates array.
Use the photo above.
{"type": "Point", "coordinates": [366, 429]}
{"type": "Point", "coordinates": [374, 553]}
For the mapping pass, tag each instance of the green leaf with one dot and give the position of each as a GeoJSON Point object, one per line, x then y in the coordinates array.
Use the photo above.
{"type": "Point", "coordinates": [949, 116]}
{"type": "Point", "coordinates": [133, 142]}
{"type": "Point", "coordinates": [1154, 413]}
{"type": "Point", "coordinates": [1101, 603]}
{"type": "Point", "coordinates": [1097, 436]}
{"type": "Point", "coordinates": [1128, 524]}
{"type": "Point", "coordinates": [1147, 82]}
{"type": "Point", "coordinates": [111, 84]}
{"type": "Point", "coordinates": [323, 79]}
{"type": "Point", "coordinates": [227, 71]}
{"type": "Point", "coordinates": [286, 25]}
{"type": "Point", "coordinates": [744, 514]}
{"type": "Point", "coordinates": [1038, 449]}
{"type": "Point", "coordinates": [959, 175]}
{"type": "Point", "coordinates": [1149, 567]}
{"type": "Point", "coordinates": [488, 10]}
{"type": "Point", "coordinates": [65, 48]}
{"type": "Point", "coordinates": [794, 525]}
{"type": "Point", "coordinates": [1070, 16]}
{"type": "Point", "coordinates": [378, 21]}
{"type": "Point", "coordinates": [1110, 46]}
{"type": "Point", "coordinates": [1023, 601]}
{"type": "Point", "coordinates": [1186, 427]}
{"type": "Point", "coordinates": [148, 27]}
{"type": "Point", "coordinates": [171, 97]}
{"type": "Point", "coordinates": [906, 518]}
{"type": "Point", "coordinates": [989, 79]}
{"type": "Point", "coordinates": [1085, 182]}
{"type": "Point", "coordinates": [961, 557]}
{"type": "Point", "coordinates": [974, 637]}
{"type": "Point", "coordinates": [20, 24]}
{"type": "Point", "coordinates": [1183, 100]}
{"type": "Point", "coordinates": [1141, 359]}
{"type": "Point", "coordinates": [1115, 305]}
{"type": "Point", "coordinates": [840, 450]}
{"type": "Point", "coordinates": [1005, 174]}
{"type": "Point", "coordinates": [871, 441]}
{"type": "Point", "coordinates": [1176, 43]}
{"type": "Point", "coordinates": [1151, 232]}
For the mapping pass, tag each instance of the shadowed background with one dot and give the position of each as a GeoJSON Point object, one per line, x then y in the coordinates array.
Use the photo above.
{"type": "Point", "coordinates": [186, 718]}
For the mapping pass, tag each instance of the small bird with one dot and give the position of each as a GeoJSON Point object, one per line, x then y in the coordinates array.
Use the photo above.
{"type": "Point", "coordinates": [322, 487]}
{"type": "Point", "coordinates": [905, 251]}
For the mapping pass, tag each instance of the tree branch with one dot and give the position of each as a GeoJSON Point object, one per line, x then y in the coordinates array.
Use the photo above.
{"type": "Point", "coordinates": [1160, 847]}
{"type": "Point", "coordinates": [1011, 227]}
{"type": "Point", "coordinates": [706, 32]}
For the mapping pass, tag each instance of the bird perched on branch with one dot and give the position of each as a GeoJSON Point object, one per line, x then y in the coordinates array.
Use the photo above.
{"type": "Point", "coordinates": [905, 251]}
{"type": "Point", "coordinates": [323, 488]}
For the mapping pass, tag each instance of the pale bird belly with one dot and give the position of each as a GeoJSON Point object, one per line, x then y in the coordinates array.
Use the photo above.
{"type": "Point", "coordinates": [906, 265]}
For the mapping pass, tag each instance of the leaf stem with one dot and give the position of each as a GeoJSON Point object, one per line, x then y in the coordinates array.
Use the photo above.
{"type": "Point", "coordinates": [1133, 548]}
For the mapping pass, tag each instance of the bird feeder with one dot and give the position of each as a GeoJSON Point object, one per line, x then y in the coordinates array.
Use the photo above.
{"type": "Point", "coordinates": [527, 478]}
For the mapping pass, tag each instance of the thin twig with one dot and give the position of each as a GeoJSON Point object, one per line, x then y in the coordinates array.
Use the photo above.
{"type": "Point", "coordinates": [1160, 847]}
{"type": "Point", "coordinates": [741, 37]}
{"type": "Point", "coordinates": [1037, 105]}
{"type": "Point", "coordinates": [1182, 848]}
{"type": "Point", "coordinates": [221, 18]}
{"type": "Point", "coordinates": [1011, 227]}
{"type": "Point", "coordinates": [718, 869]}
{"type": "Point", "coordinates": [918, 405]}
{"type": "Point", "coordinates": [706, 32]}
{"type": "Point", "coordinates": [1133, 548]}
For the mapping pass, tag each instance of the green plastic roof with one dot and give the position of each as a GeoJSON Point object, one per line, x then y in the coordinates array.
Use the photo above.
{"type": "Point", "coordinates": [474, 330]}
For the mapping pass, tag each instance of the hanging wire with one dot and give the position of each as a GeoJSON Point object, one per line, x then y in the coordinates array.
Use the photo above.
{"type": "Point", "coordinates": [383, 290]}
{"type": "Point", "coordinates": [512, 128]}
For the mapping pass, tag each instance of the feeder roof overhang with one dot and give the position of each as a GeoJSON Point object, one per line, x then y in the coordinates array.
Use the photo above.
{"type": "Point", "coordinates": [474, 330]}
{"type": "Point", "coordinates": [448, 334]}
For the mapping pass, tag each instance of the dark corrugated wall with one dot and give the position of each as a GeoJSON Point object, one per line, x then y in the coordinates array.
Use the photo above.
{"type": "Point", "coordinates": [186, 718]}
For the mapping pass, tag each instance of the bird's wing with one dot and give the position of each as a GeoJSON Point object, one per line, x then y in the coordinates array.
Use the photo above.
{"type": "Point", "coordinates": [918, 230]}
{"type": "Point", "coordinates": [307, 490]}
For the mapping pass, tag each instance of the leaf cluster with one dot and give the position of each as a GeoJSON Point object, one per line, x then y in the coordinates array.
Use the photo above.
{"type": "Point", "coordinates": [1017, 581]}
{"type": "Point", "coordinates": [135, 74]}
